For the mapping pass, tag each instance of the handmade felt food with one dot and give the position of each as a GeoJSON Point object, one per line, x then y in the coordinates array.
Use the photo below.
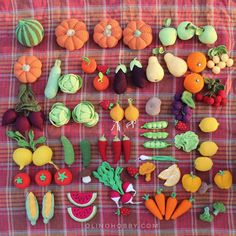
{"type": "Point", "coordinates": [126, 147]}
{"type": "Point", "coordinates": [27, 69]}
{"type": "Point", "coordinates": [63, 177]}
{"type": "Point", "coordinates": [131, 114]}
{"type": "Point", "coordinates": [84, 214]}
{"type": "Point", "coordinates": [22, 157]}
{"type": "Point", "coordinates": [70, 83]}
{"type": "Point", "coordinates": [155, 125]}
{"type": "Point", "coordinates": [157, 158]}
{"type": "Point", "coordinates": [43, 178]}
{"type": "Point", "coordinates": [160, 200]}
{"type": "Point", "coordinates": [223, 179]}
{"type": "Point", "coordinates": [48, 207]}
{"type": "Point", "coordinates": [21, 180]}
{"type": "Point", "coordinates": [191, 183]}
{"type": "Point", "coordinates": [207, 34]}
{"type": "Point", "coordinates": [137, 73]}
{"type": "Point", "coordinates": [171, 204]}
{"type": "Point", "coordinates": [154, 70]}
{"type": "Point", "coordinates": [203, 163]}
{"type": "Point", "coordinates": [9, 117]}
{"type": "Point", "coordinates": [88, 65]}
{"type": "Point", "coordinates": [29, 32]}
{"type": "Point", "coordinates": [82, 199]}
{"type": "Point", "coordinates": [137, 35]}
{"type": "Point", "coordinates": [167, 34]}
{"type": "Point", "coordinates": [85, 148]}
{"type": "Point", "coordinates": [153, 106]}
{"type": "Point", "coordinates": [71, 34]}
{"type": "Point", "coordinates": [102, 147]}
{"type": "Point", "coordinates": [107, 33]}
{"type": "Point", "coordinates": [117, 148]}
{"type": "Point", "coordinates": [209, 124]}
{"type": "Point", "coordinates": [196, 62]}
{"type": "Point", "coordinates": [193, 82]}
{"type": "Point", "coordinates": [117, 114]}
{"type": "Point", "coordinates": [69, 153]}
{"type": "Point", "coordinates": [208, 148]}
{"type": "Point", "coordinates": [146, 169]}
{"type": "Point", "coordinates": [156, 144]}
{"type": "Point", "coordinates": [32, 208]}
{"type": "Point", "coordinates": [101, 82]}
{"type": "Point", "coordinates": [120, 81]}
{"type": "Point", "coordinates": [42, 155]}
{"type": "Point", "coordinates": [186, 30]}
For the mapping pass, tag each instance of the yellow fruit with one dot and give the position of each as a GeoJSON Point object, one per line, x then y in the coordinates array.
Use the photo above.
{"type": "Point", "coordinates": [203, 163]}
{"type": "Point", "coordinates": [223, 179]}
{"type": "Point", "coordinates": [229, 62]}
{"type": "Point", "coordinates": [216, 59]}
{"type": "Point", "coordinates": [210, 64]}
{"type": "Point", "coordinates": [208, 148]}
{"type": "Point", "coordinates": [131, 112]}
{"type": "Point", "coordinates": [216, 70]}
{"type": "Point", "coordinates": [42, 155]}
{"type": "Point", "coordinates": [221, 64]}
{"type": "Point", "coordinates": [209, 124]}
{"type": "Point", "coordinates": [22, 157]}
{"type": "Point", "coordinates": [191, 183]}
{"type": "Point", "coordinates": [117, 113]}
{"type": "Point", "coordinates": [224, 57]}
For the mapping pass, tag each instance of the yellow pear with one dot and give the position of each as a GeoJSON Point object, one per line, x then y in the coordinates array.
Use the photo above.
{"type": "Point", "coordinates": [154, 71]}
{"type": "Point", "coordinates": [22, 157]}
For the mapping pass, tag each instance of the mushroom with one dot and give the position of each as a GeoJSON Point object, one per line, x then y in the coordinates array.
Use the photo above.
{"type": "Point", "coordinates": [85, 175]}
{"type": "Point", "coordinates": [146, 169]}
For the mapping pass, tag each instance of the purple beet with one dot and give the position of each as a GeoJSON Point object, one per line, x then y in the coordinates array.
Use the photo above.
{"type": "Point", "coordinates": [138, 74]}
{"type": "Point", "coordinates": [22, 124]}
{"type": "Point", "coordinates": [36, 119]}
{"type": "Point", "coordinates": [120, 81]}
{"type": "Point", "coordinates": [9, 117]}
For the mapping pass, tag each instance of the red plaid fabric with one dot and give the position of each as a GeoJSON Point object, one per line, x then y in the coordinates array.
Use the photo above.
{"type": "Point", "coordinates": [50, 13]}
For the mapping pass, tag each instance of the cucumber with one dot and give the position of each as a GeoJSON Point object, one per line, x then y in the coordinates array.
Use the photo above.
{"type": "Point", "coordinates": [69, 154]}
{"type": "Point", "coordinates": [85, 149]}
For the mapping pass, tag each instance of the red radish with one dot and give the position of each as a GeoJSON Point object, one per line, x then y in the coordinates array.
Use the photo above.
{"type": "Point", "coordinates": [115, 197]}
{"type": "Point", "coordinates": [126, 144]}
{"type": "Point", "coordinates": [210, 101]}
{"type": "Point", "coordinates": [128, 187]}
{"type": "Point", "coordinates": [116, 145]}
{"type": "Point", "coordinates": [127, 198]}
{"type": "Point", "coordinates": [102, 147]}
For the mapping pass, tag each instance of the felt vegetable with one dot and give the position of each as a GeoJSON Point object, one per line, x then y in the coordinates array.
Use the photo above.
{"type": "Point", "coordinates": [22, 124]}
{"type": "Point", "coordinates": [9, 117]}
{"type": "Point", "coordinates": [101, 82]}
{"type": "Point", "coordinates": [36, 119]}
{"type": "Point", "coordinates": [63, 177]}
{"type": "Point", "coordinates": [115, 197]}
{"type": "Point", "coordinates": [102, 147]}
{"type": "Point", "coordinates": [171, 204]}
{"type": "Point", "coordinates": [82, 199]}
{"type": "Point", "coordinates": [160, 201]}
{"type": "Point", "coordinates": [137, 35]}
{"type": "Point", "coordinates": [126, 147]}
{"type": "Point", "coordinates": [186, 30]}
{"type": "Point", "coordinates": [208, 125]}
{"type": "Point", "coordinates": [182, 208]}
{"type": "Point", "coordinates": [176, 65]}
{"type": "Point", "coordinates": [131, 114]}
{"type": "Point", "coordinates": [70, 83]}
{"type": "Point", "coordinates": [146, 169]}
{"type": "Point", "coordinates": [85, 176]}
{"type": "Point", "coordinates": [117, 114]}
{"type": "Point", "coordinates": [203, 163]}
{"type": "Point", "coordinates": [138, 75]}
{"type": "Point", "coordinates": [128, 187]}
{"type": "Point", "coordinates": [85, 148]}
{"type": "Point", "coordinates": [182, 126]}
{"type": "Point", "coordinates": [204, 188]}
{"type": "Point", "coordinates": [193, 82]}
{"type": "Point", "coordinates": [51, 88]}
{"type": "Point", "coordinates": [127, 198]}
{"type": "Point", "coordinates": [207, 34]}
{"type": "Point", "coordinates": [89, 65]}
{"type": "Point", "coordinates": [155, 135]}
{"type": "Point", "coordinates": [132, 171]}
{"type": "Point", "coordinates": [155, 125]}
{"type": "Point", "coordinates": [208, 148]}
{"type": "Point", "coordinates": [154, 70]}
{"type": "Point", "coordinates": [29, 32]}
{"type": "Point", "coordinates": [71, 34]}
{"type": "Point", "coordinates": [120, 81]}
{"type": "Point", "coordinates": [218, 207]}
{"type": "Point", "coordinates": [22, 157]}
{"type": "Point", "coordinates": [191, 183]}
{"type": "Point", "coordinates": [206, 216]}
{"type": "Point", "coordinates": [152, 207]}
{"type": "Point", "coordinates": [32, 208]}
{"type": "Point", "coordinates": [104, 69]}
{"type": "Point", "coordinates": [153, 106]}
{"type": "Point", "coordinates": [42, 155]}
{"type": "Point", "coordinates": [156, 144]}
{"type": "Point", "coordinates": [167, 35]}
{"type": "Point", "coordinates": [107, 33]}
{"type": "Point", "coordinates": [21, 180]}
{"type": "Point", "coordinates": [223, 179]}
{"type": "Point", "coordinates": [116, 146]}
{"type": "Point", "coordinates": [106, 105]}
{"type": "Point", "coordinates": [43, 178]}
{"type": "Point", "coordinates": [84, 214]}
{"type": "Point", "coordinates": [188, 100]}
{"type": "Point", "coordinates": [27, 69]}
{"type": "Point", "coordinates": [69, 154]}
{"type": "Point", "coordinates": [196, 62]}
{"type": "Point", "coordinates": [123, 211]}
{"type": "Point", "coordinates": [48, 207]}
{"type": "Point", "coordinates": [156, 158]}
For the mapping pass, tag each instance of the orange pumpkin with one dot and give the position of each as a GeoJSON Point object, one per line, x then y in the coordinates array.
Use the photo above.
{"type": "Point", "coordinates": [27, 69]}
{"type": "Point", "coordinates": [71, 34]}
{"type": "Point", "coordinates": [107, 33]}
{"type": "Point", "coordinates": [137, 35]}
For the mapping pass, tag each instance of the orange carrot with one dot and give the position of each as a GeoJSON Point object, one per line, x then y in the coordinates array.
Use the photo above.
{"type": "Point", "coordinates": [171, 204]}
{"type": "Point", "coordinates": [160, 201]}
{"type": "Point", "coordinates": [152, 207]}
{"type": "Point", "coordinates": [183, 207]}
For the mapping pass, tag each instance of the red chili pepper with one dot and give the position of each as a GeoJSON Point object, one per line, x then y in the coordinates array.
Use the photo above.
{"type": "Point", "coordinates": [102, 147]}
{"type": "Point", "coordinates": [126, 143]}
{"type": "Point", "coordinates": [116, 145]}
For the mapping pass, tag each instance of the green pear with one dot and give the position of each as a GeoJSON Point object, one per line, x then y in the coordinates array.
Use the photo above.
{"type": "Point", "coordinates": [207, 34]}
{"type": "Point", "coordinates": [186, 30]}
{"type": "Point", "coordinates": [168, 34]}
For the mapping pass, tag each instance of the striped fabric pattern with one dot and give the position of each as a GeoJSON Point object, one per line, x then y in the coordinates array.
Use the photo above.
{"type": "Point", "coordinates": [221, 14]}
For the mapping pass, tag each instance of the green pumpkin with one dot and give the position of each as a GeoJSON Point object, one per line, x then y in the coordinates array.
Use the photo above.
{"type": "Point", "coordinates": [29, 32]}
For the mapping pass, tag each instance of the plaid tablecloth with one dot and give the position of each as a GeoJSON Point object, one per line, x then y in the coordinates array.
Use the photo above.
{"type": "Point", "coordinates": [222, 14]}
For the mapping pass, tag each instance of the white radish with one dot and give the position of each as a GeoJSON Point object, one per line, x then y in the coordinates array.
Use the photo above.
{"type": "Point", "coordinates": [127, 198]}
{"type": "Point", "coordinates": [115, 197]}
{"type": "Point", "coordinates": [128, 187]}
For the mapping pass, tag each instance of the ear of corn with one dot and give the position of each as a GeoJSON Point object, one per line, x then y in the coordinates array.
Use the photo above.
{"type": "Point", "coordinates": [32, 208]}
{"type": "Point", "coordinates": [48, 207]}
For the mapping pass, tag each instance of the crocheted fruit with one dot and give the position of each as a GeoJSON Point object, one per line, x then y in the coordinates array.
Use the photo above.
{"type": "Point", "coordinates": [196, 62]}
{"type": "Point", "coordinates": [89, 65]}
{"type": "Point", "coordinates": [82, 214]}
{"type": "Point", "coordinates": [194, 83]}
{"type": "Point", "coordinates": [186, 30]}
{"type": "Point", "coordinates": [209, 124]}
{"type": "Point", "coordinates": [101, 82]}
{"type": "Point", "coordinates": [32, 208]}
{"type": "Point", "coordinates": [207, 34]}
{"type": "Point", "coordinates": [63, 177]}
{"type": "Point", "coordinates": [107, 33]}
{"type": "Point", "coordinates": [106, 105]}
{"type": "Point", "coordinates": [27, 69]}
{"type": "Point", "coordinates": [191, 183]}
{"type": "Point", "coordinates": [137, 35]}
{"type": "Point", "coordinates": [167, 35]}
{"type": "Point", "coordinates": [117, 113]}
{"type": "Point", "coordinates": [21, 180]}
{"type": "Point", "coordinates": [208, 148]}
{"type": "Point", "coordinates": [71, 34]}
{"type": "Point", "coordinates": [22, 157]}
{"type": "Point", "coordinates": [132, 171]}
{"type": "Point", "coordinates": [223, 179]}
{"type": "Point", "coordinates": [42, 156]}
{"type": "Point", "coordinates": [81, 199]}
{"type": "Point", "coordinates": [203, 163]}
{"type": "Point", "coordinates": [180, 125]}
{"type": "Point", "coordinates": [154, 70]}
{"type": "Point", "coordinates": [131, 113]}
{"type": "Point", "coordinates": [43, 178]}
{"type": "Point", "coordinates": [29, 32]}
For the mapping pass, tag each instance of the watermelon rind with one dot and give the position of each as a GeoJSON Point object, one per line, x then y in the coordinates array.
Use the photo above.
{"type": "Point", "coordinates": [94, 212]}
{"type": "Point", "coordinates": [93, 198]}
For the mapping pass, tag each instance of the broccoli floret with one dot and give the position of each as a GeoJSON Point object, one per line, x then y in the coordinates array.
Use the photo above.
{"type": "Point", "coordinates": [219, 207]}
{"type": "Point", "coordinates": [206, 216]}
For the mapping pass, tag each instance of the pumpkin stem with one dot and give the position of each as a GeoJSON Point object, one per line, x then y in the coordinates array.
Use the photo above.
{"type": "Point", "coordinates": [192, 175]}
{"type": "Point", "coordinates": [137, 33]}
{"type": "Point", "coordinates": [100, 75]}
{"type": "Point", "coordinates": [107, 31]}
{"type": "Point", "coordinates": [86, 59]}
{"type": "Point", "coordinates": [221, 172]}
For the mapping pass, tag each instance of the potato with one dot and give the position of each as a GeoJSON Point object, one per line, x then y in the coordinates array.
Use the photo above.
{"type": "Point", "coordinates": [153, 106]}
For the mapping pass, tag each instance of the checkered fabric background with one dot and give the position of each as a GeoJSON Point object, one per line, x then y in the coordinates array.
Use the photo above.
{"type": "Point", "coordinates": [222, 14]}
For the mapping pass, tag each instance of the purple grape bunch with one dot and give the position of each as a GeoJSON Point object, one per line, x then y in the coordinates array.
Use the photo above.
{"type": "Point", "coordinates": [180, 110]}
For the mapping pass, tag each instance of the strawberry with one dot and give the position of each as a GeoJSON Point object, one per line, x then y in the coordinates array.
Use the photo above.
{"type": "Point", "coordinates": [221, 93]}
{"type": "Point", "coordinates": [104, 69]}
{"type": "Point", "coordinates": [223, 101]}
{"type": "Point", "coordinates": [132, 171]}
{"type": "Point", "coordinates": [180, 125]}
{"type": "Point", "coordinates": [199, 97]}
{"type": "Point", "coordinates": [106, 105]}
{"type": "Point", "coordinates": [123, 211]}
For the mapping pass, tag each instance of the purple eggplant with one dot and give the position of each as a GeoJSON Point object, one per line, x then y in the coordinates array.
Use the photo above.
{"type": "Point", "coordinates": [138, 74]}
{"type": "Point", "coordinates": [120, 81]}
{"type": "Point", "coordinates": [9, 117]}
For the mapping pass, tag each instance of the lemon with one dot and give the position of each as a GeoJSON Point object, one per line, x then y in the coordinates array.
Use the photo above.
{"type": "Point", "coordinates": [209, 124]}
{"type": "Point", "coordinates": [42, 155]}
{"type": "Point", "coordinates": [22, 157]}
{"type": "Point", "coordinates": [203, 163]}
{"type": "Point", "coordinates": [208, 148]}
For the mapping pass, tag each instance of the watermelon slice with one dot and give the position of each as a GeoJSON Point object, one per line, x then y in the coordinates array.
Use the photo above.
{"type": "Point", "coordinates": [81, 199]}
{"type": "Point", "coordinates": [82, 214]}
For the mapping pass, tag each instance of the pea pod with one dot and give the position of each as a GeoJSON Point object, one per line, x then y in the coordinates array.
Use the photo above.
{"type": "Point", "coordinates": [155, 135]}
{"type": "Point", "coordinates": [85, 148]}
{"type": "Point", "coordinates": [69, 154]}
{"type": "Point", "coordinates": [156, 144]}
{"type": "Point", "coordinates": [155, 125]}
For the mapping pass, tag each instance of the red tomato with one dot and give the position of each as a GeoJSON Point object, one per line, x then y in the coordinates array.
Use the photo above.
{"type": "Point", "coordinates": [21, 180]}
{"type": "Point", "coordinates": [43, 178]}
{"type": "Point", "coordinates": [101, 82]}
{"type": "Point", "coordinates": [63, 177]}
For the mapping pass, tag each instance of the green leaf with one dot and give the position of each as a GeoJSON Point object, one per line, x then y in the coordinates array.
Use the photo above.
{"type": "Point", "coordinates": [23, 143]}
{"type": "Point", "coordinates": [157, 51]}
{"type": "Point", "coordinates": [40, 140]}
{"type": "Point", "coordinates": [167, 22]}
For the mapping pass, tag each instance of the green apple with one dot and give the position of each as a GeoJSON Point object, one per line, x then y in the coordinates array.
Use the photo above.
{"type": "Point", "coordinates": [168, 34]}
{"type": "Point", "coordinates": [207, 34]}
{"type": "Point", "coordinates": [186, 30]}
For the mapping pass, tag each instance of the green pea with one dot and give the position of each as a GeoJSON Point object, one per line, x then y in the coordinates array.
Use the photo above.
{"type": "Point", "coordinates": [156, 144]}
{"type": "Point", "coordinates": [155, 135]}
{"type": "Point", "coordinates": [155, 125]}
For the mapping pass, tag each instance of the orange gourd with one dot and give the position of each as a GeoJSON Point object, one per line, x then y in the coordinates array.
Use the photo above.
{"type": "Point", "coordinates": [107, 33]}
{"type": "Point", "coordinates": [71, 34]}
{"type": "Point", "coordinates": [27, 69]}
{"type": "Point", "coordinates": [137, 35]}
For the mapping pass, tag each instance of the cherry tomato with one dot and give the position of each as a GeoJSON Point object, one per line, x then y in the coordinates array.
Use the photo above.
{"type": "Point", "coordinates": [101, 82]}
{"type": "Point", "coordinates": [21, 180]}
{"type": "Point", "coordinates": [63, 177]}
{"type": "Point", "coordinates": [43, 178]}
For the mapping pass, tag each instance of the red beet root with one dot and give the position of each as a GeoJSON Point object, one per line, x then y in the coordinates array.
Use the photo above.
{"type": "Point", "coordinates": [9, 117]}
{"type": "Point", "coordinates": [22, 124]}
{"type": "Point", "coordinates": [36, 119]}
{"type": "Point", "coordinates": [199, 97]}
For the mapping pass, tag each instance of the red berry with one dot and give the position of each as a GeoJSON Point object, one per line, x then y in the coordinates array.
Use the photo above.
{"type": "Point", "coordinates": [205, 99]}
{"type": "Point", "coordinates": [210, 101]}
{"type": "Point", "coordinates": [217, 104]}
{"type": "Point", "coordinates": [224, 101]}
{"type": "Point", "coordinates": [218, 98]}
{"type": "Point", "coordinates": [132, 171]}
{"type": "Point", "coordinates": [199, 97]}
{"type": "Point", "coordinates": [221, 93]}
{"type": "Point", "coordinates": [180, 125]}
{"type": "Point", "coordinates": [104, 69]}
{"type": "Point", "coordinates": [106, 104]}
{"type": "Point", "coordinates": [123, 211]}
